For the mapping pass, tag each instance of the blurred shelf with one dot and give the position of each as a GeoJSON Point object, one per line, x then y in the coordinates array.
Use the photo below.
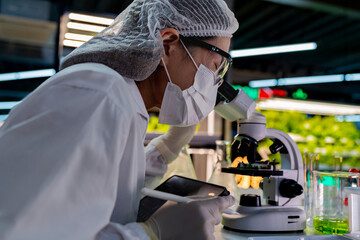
{"type": "Point", "coordinates": [27, 31]}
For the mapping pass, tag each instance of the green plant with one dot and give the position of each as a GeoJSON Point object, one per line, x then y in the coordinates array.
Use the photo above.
{"type": "Point", "coordinates": [322, 134]}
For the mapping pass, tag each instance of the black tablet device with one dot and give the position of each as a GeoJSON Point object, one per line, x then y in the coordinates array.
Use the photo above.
{"type": "Point", "coordinates": [181, 186]}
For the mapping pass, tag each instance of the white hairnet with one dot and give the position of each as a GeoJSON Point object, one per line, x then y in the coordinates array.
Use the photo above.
{"type": "Point", "coordinates": [132, 44]}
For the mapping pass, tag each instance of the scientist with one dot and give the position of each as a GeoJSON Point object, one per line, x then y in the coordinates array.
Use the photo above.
{"type": "Point", "coordinates": [72, 160]}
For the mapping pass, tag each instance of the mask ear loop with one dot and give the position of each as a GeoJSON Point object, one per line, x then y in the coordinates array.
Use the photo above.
{"type": "Point", "coordinates": [166, 70]}
{"type": "Point", "coordinates": [192, 59]}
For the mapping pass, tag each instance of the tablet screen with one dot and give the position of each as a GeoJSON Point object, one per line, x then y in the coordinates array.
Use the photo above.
{"type": "Point", "coordinates": [181, 186]}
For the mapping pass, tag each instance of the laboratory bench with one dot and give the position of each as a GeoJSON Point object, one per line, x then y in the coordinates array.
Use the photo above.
{"type": "Point", "coordinates": [223, 234]}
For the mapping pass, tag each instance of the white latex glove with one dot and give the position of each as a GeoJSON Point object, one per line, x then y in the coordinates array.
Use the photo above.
{"type": "Point", "coordinates": [194, 220]}
{"type": "Point", "coordinates": [171, 143]}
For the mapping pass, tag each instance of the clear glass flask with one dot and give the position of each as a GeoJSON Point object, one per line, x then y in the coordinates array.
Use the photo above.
{"type": "Point", "coordinates": [311, 164]}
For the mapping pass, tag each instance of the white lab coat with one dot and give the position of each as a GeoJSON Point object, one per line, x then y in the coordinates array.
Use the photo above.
{"type": "Point", "coordinates": [72, 161]}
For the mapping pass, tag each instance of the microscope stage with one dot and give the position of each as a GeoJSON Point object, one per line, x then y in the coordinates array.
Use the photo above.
{"type": "Point", "coordinates": [253, 172]}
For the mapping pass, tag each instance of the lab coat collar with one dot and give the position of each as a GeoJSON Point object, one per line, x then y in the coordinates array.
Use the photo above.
{"type": "Point", "coordinates": [141, 108]}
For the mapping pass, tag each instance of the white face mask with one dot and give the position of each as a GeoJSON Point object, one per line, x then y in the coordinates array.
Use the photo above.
{"type": "Point", "coordinates": [189, 107]}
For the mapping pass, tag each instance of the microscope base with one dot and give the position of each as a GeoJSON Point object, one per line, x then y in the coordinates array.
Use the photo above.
{"type": "Point", "coordinates": [266, 219]}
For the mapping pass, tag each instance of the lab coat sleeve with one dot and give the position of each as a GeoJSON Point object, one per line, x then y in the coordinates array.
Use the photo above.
{"type": "Point", "coordinates": [129, 231]}
{"type": "Point", "coordinates": [155, 164]}
{"type": "Point", "coordinates": [58, 172]}
{"type": "Point", "coordinates": [166, 148]}
{"type": "Point", "coordinates": [155, 167]}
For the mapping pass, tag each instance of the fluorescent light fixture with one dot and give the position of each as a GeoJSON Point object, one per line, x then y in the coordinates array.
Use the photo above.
{"type": "Point", "coordinates": [71, 43]}
{"type": "Point", "coordinates": [304, 80]}
{"type": "Point", "coordinates": [78, 37]}
{"type": "Point", "coordinates": [27, 74]}
{"type": "Point", "coordinates": [350, 118]}
{"type": "Point", "coordinates": [90, 19]}
{"type": "Point", "coordinates": [84, 27]}
{"type": "Point", "coordinates": [309, 107]}
{"type": "Point", "coordinates": [273, 50]}
{"type": "Point", "coordinates": [86, 23]}
{"type": "Point", "coordinates": [352, 77]}
{"type": "Point", "coordinates": [8, 105]}
{"type": "Point", "coordinates": [310, 80]}
{"type": "Point", "coordinates": [263, 83]}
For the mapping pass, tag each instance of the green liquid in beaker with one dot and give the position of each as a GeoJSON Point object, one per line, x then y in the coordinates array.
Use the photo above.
{"type": "Point", "coordinates": [329, 225]}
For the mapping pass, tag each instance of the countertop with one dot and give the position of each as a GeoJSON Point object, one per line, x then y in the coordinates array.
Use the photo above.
{"type": "Point", "coordinates": [223, 234]}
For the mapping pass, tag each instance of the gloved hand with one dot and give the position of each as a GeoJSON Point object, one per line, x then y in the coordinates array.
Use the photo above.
{"type": "Point", "coordinates": [193, 220]}
{"type": "Point", "coordinates": [171, 143]}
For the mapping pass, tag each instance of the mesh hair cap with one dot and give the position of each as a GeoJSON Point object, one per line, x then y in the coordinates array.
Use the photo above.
{"type": "Point", "coordinates": [132, 44]}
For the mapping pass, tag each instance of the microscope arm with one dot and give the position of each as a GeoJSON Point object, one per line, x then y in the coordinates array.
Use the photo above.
{"type": "Point", "coordinates": [292, 159]}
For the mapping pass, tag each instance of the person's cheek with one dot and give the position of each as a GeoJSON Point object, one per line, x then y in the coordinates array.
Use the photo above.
{"type": "Point", "coordinates": [187, 77]}
{"type": "Point", "coordinates": [217, 60]}
{"type": "Point", "coordinates": [210, 62]}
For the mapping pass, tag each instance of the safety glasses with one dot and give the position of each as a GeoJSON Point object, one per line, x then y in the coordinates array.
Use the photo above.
{"type": "Point", "coordinates": [226, 58]}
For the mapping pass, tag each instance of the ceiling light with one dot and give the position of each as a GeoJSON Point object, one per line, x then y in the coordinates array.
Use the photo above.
{"type": "Point", "coordinates": [8, 105]}
{"type": "Point", "coordinates": [90, 25]}
{"type": "Point", "coordinates": [273, 50]}
{"type": "Point", "coordinates": [352, 77]}
{"type": "Point", "coordinates": [350, 118]}
{"type": "Point", "coordinates": [309, 107]}
{"type": "Point", "coordinates": [27, 74]}
{"type": "Point", "coordinates": [84, 27]}
{"type": "Point", "coordinates": [310, 80]}
{"type": "Point", "coordinates": [304, 80]}
{"type": "Point", "coordinates": [71, 43]}
{"type": "Point", "coordinates": [78, 37]}
{"type": "Point", "coordinates": [90, 19]}
{"type": "Point", "coordinates": [263, 83]}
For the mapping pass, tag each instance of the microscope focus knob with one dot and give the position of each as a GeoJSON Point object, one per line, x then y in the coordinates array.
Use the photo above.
{"type": "Point", "coordinates": [290, 188]}
{"type": "Point", "coordinates": [250, 200]}
{"type": "Point", "coordinates": [277, 146]}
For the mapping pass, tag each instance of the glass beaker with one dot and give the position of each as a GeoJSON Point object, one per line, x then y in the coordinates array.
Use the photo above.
{"type": "Point", "coordinates": [330, 210]}
{"type": "Point", "coordinates": [223, 152]}
{"type": "Point", "coordinates": [311, 163]}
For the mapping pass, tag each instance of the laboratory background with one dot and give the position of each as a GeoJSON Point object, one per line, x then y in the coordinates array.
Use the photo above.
{"type": "Point", "coordinates": [298, 60]}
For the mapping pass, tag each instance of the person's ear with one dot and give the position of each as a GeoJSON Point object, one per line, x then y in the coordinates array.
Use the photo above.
{"type": "Point", "coordinates": [170, 38]}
